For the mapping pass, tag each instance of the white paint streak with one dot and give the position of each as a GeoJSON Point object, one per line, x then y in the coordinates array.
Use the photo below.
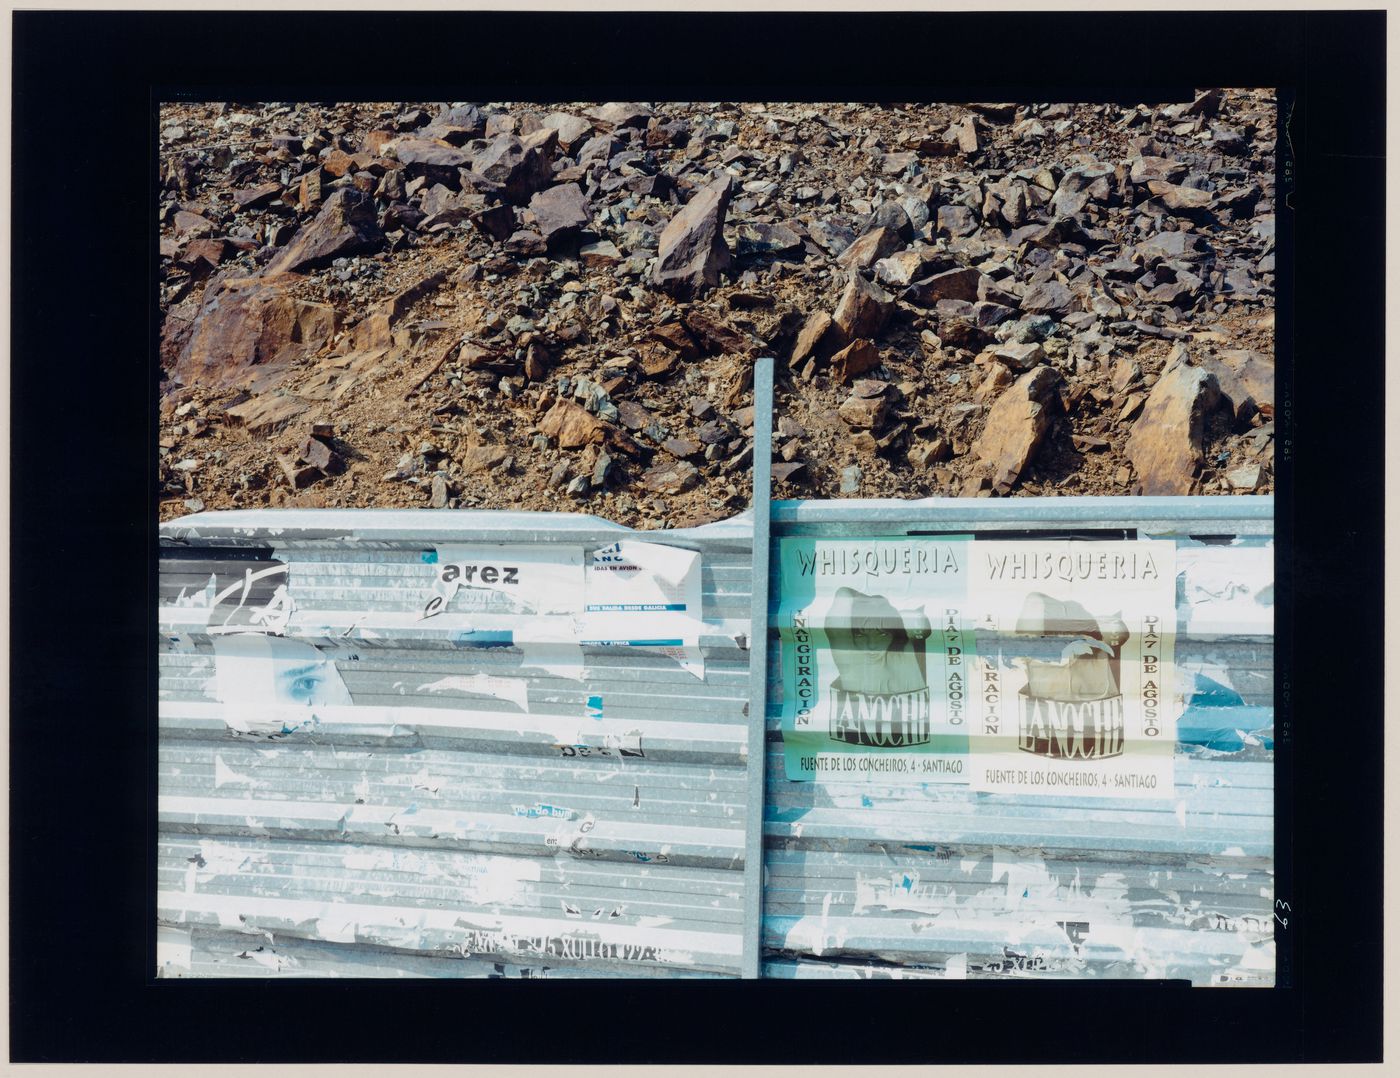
{"type": "Point", "coordinates": [512, 690]}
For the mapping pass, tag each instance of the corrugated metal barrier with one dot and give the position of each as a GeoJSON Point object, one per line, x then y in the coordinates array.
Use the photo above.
{"type": "Point", "coordinates": [371, 767]}
{"type": "Point", "coordinates": [882, 878]}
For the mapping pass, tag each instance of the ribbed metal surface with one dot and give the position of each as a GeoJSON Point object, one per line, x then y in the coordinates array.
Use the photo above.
{"type": "Point", "coordinates": [421, 829]}
{"type": "Point", "coordinates": [942, 881]}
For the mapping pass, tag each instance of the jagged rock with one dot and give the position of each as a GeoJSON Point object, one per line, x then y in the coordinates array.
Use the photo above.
{"type": "Point", "coordinates": [617, 114]}
{"type": "Point", "coordinates": [692, 251]}
{"type": "Point", "coordinates": [519, 167]}
{"type": "Point", "coordinates": [672, 477]}
{"type": "Point", "coordinates": [572, 426]}
{"type": "Point", "coordinates": [254, 198]}
{"type": "Point", "coordinates": [483, 458]}
{"type": "Point", "coordinates": [762, 238]}
{"type": "Point", "coordinates": [950, 284]}
{"type": "Point", "coordinates": [856, 358]}
{"type": "Point", "coordinates": [252, 323]}
{"type": "Point", "coordinates": [572, 130]}
{"type": "Point", "coordinates": [1020, 357]}
{"type": "Point", "coordinates": [560, 212]}
{"type": "Point", "coordinates": [346, 225]}
{"type": "Point", "coordinates": [814, 330]}
{"type": "Point", "coordinates": [601, 255]}
{"type": "Point", "coordinates": [1181, 199]}
{"type": "Point", "coordinates": [1016, 425]}
{"type": "Point", "coordinates": [716, 336]}
{"type": "Point", "coordinates": [870, 248]}
{"type": "Point", "coordinates": [863, 309]}
{"type": "Point", "coordinates": [900, 269]}
{"type": "Point", "coordinates": [1165, 445]}
{"type": "Point", "coordinates": [868, 405]}
{"type": "Point", "coordinates": [1047, 297]}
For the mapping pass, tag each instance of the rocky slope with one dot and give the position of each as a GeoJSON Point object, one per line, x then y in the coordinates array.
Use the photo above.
{"type": "Point", "coordinates": [557, 306]}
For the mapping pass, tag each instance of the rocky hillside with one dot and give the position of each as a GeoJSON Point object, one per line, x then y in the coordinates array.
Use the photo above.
{"type": "Point", "coordinates": [557, 306]}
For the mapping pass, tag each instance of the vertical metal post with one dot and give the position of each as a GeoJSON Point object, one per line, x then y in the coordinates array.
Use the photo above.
{"type": "Point", "coordinates": [758, 666]}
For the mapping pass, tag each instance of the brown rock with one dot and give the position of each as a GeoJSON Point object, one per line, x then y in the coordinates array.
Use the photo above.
{"type": "Point", "coordinates": [498, 222]}
{"type": "Point", "coordinates": [682, 447]}
{"type": "Point", "coordinates": [658, 361]}
{"type": "Point", "coordinates": [863, 308]}
{"type": "Point", "coordinates": [692, 252]}
{"type": "Point", "coordinates": [811, 337]}
{"type": "Point", "coordinates": [192, 224]}
{"type": "Point", "coordinates": [310, 189]}
{"type": "Point", "coordinates": [520, 167]}
{"type": "Point", "coordinates": [963, 132]}
{"type": "Point", "coordinates": [633, 415]}
{"type": "Point", "coordinates": [716, 336]}
{"type": "Point", "coordinates": [483, 458]}
{"type": "Point", "coordinates": [855, 359]}
{"type": "Point", "coordinates": [1246, 380]}
{"type": "Point", "coordinates": [675, 336]}
{"type": "Point", "coordinates": [573, 426]}
{"type": "Point", "coordinates": [673, 477]}
{"type": "Point", "coordinates": [252, 198]}
{"type": "Point", "coordinates": [950, 284]}
{"type": "Point", "coordinates": [538, 361]}
{"type": "Point", "coordinates": [870, 248]}
{"type": "Point", "coordinates": [1181, 199]}
{"type": "Point", "coordinates": [864, 410]}
{"type": "Point", "coordinates": [560, 211]}
{"type": "Point", "coordinates": [1020, 357]}
{"type": "Point", "coordinates": [421, 156]}
{"type": "Point", "coordinates": [298, 477]}
{"type": "Point", "coordinates": [1016, 425]}
{"type": "Point", "coordinates": [601, 255]}
{"type": "Point", "coordinates": [900, 269]}
{"type": "Point", "coordinates": [617, 114]}
{"type": "Point", "coordinates": [266, 412]}
{"type": "Point", "coordinates": [212, 251]}
{"type": "Point", "coordinates": [346, 225]}
{"type": "Point", "coordinates": [317, 453]}
{"type": "Point", "coordinates": [1165, 446]}
{"type": "Point", "coordinates": [571, 130]}
{"type": "Point", "coordinates": [252, 322]}
{"type": "Point", "coordinates": [1047, 297]}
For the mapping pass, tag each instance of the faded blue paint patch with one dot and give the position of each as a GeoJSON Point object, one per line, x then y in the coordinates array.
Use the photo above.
{"type": "Point", "coordinates": [485, 638]}
{"type": "Point", "coordinates": [594, 707]}
{"type": "Point", "coordinates": [1216, 717]}
{"type": "Point", "coordinates": [865, 801]}
{"type": "Point", "coordinates": [429, 557]}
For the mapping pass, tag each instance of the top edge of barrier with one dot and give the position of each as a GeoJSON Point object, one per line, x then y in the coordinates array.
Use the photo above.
{"type": "Point", "coordinates": [427, 526]}
{"type": "Point", "coordinates": [1180, 515]}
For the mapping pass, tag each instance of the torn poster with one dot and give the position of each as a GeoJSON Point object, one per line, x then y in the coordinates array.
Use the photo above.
{"type": "Point", "coordinates": [511, 689]}
{"type": "Point", "coordinates": [874, 650]}
{"type": "Point", "coordinates": [645, 595]}
{"type": "Point", "coordinates": [1015, 666]}
{"type": "Point", "coordinates": [272, 684]}
{"type": "Point", "coordinates": [1075, 643]}
{"type": "Point", "coordinates": [507, 580]}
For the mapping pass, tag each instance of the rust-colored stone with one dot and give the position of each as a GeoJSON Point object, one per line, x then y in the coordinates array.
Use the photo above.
{"type": "Point", "coordinates": [1165, 445]}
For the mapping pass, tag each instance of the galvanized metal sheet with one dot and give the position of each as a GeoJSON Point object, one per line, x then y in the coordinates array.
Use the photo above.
{"type": "Point", "coordinates": [444, 802]}
{"type": "Point", "coordinates": [939, 880]}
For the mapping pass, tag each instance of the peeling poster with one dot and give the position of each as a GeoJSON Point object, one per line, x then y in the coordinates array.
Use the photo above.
{"type": "Point", "coordinates": [1015, 666]}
